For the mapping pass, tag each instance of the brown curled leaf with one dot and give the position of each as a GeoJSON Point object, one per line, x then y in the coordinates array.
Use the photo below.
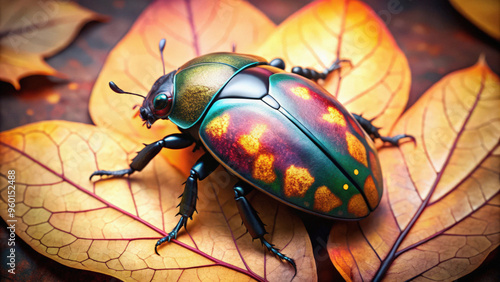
{"type": "Point", "coordinates": [111, 226]}
{"type": "Point", "coordinates": [440, 216]}
{"type": "Point", "coordinates": [375, 83]}
{"type": "Point", "coordinates": [191, 28]}
{"type": "Point", "coordinates": [31, 30]}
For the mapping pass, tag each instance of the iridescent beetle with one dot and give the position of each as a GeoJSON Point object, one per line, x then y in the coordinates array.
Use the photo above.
{"type": "Point", "coordinates": [278, 132]}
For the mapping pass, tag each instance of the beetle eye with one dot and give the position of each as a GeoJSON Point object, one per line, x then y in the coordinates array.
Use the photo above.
{"type": "Point", "coordinates": [160, 101]}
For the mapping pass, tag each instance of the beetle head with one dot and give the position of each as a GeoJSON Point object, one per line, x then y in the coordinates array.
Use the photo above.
{"type": "Point", "coordinates": [158, 102]}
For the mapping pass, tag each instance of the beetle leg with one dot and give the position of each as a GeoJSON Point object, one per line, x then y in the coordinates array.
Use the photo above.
{"type": "Point", "coordinates": [203, 167]}
{"type": "Point", "coordinates": [395, 139]}
{"type": "Point", "coordinates": [253, 223]}
{"type": "Point", "coordinates": [144, 156]}
{"type": "Point", "coordinates": [373, 131]}
{"type": "Point", "coordinates": [315, 75]}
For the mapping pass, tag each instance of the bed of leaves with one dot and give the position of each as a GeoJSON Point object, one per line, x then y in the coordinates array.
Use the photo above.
{"type": "Point", "coordinates": [439, 217]}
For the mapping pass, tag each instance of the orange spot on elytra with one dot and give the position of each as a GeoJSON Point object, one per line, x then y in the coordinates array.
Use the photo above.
{"type": "Point", "coordinates": [250, 142]}
{"type": "Point", "coordinates": [301, 92]}
{"type": "Point", "coordinates": [30, 112]}
{"type": "Point", "coordinates": [334, 116]}
{"type": "Point", "coordinates": [325, 200]}
{"type": "Point", "coordinates": [263, 168]}
{"type": "Point", "coordinates": [357, 206]}
{"type": "Point", "coordinates": [346, 186]}
{"type": "Point", "coordinates": [371, 192]}
{"type": "Point", "coordinates": [356, 172]}
{"type": "Point", "coordinates": [356, 148]}
{"type": "Point", "coordinates": [218, 126]}
{"type": "Point", "coordinates": [297, 181]}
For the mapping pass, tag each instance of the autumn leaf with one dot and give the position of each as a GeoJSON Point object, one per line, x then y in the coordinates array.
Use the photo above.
{"type": "Point", "coordinates": [111, 226]}
{"type": "Point", "coordinates": [31, 30]}
{"type": "Point", "coordinates": [482, 13]}
{"type": "Point", "coordinates": [439, 217]}
{"type": "Point", "coordinates": [376, 83]}
{"type": "Point", "coordinates": [193, 28]}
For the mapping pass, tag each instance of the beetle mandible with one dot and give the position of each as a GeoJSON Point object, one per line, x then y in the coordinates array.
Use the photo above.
{"type": "Point", "coordinates": [278, 132]}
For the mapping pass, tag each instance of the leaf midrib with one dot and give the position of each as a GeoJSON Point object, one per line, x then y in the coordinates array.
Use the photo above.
{"type": "Point", "coordinates": [387, 262]}
{"type": "Point", "coordinates": [110, 205]}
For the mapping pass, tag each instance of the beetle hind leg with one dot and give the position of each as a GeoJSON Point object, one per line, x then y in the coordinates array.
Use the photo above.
{"type": "Point", "coordinates": [203, 167]}
{"type": "Point", "coordinates": [373, 132]}
{"type": "Point", "coordinates": [173, 234]}
{"type": "Point", "coordinates": [277, 254]}
{"type": "Point", "coordinates": [315, 75]}
{"type": "Point", "coordinates": [394, 140]}
{"type": "Point", "coordinates": [254, 224]}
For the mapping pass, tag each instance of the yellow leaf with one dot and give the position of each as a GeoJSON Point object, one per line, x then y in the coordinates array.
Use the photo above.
{"type": "Point", "coordinates": [439, 217]}
{"type": "Point", "coordinates": [31, 30]}
{"type": "Point", "coordinates": [16, 65]}
{"type": "Point", "coordinates": [376, 83]}
{"type": "Point", "coordinates": [111, 226]}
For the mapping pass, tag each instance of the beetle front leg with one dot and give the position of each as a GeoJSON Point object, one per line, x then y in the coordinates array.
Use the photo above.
{"type": "Point", "coordinates": [373, 132]}
{"type": "Point", "coordinates": [253, 223]}
{"type": "Point", "coordinates": [203, 167]}
{"type": "Point", "coordinates": [144, 156]}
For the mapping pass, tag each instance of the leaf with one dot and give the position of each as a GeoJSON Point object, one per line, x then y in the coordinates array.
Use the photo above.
{"type": "Point", "coordinates": [375, 84]}
{"type": "Point", "coordinates": [483, 13]}
{"type": "Point", "coordinates": [111, 226]}
{"type": "Point", "coordinates": [31, 30]}
{"type": "Point", "coordinates": [440, 216]}
{"type": "Point", "coordinates": [191, 28]}
{"type": "Point", "coordinates": [14, 66]}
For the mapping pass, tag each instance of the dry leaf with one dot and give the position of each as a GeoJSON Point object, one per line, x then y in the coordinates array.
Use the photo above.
{"type": "Point", "coordinates": [439, 217]}
{"type": "Point", "coordinates": [483, 13]}
{"type": "Point", "coordinates": [31, 30]}
{"type": "Point", "coordinates": [193, 28]}
{"type": "Point", "coordinates": [111, 226]}
{"type": "Point", "coordinates": [378, 81]}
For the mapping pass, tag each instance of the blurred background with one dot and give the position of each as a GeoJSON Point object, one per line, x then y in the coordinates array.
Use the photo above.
{"type": "Point", "coordinates": [435, 38]}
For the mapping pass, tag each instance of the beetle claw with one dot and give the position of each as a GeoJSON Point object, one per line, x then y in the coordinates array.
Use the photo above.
{"type": "Point", "coordinates": [115, 173]}
{"type": "Point", "coordinates": [292, 263]}
{"type": "Point", "coordinates": [161, 241]}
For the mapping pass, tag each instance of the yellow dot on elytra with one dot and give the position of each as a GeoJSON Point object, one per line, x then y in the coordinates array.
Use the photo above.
{"type": "Point", "coordinates": [302, 92]}
{"type": "Point", "coordinates": [346, 186]}
{"type": "Point", "coordinates": [218, 126]}
{"type": "Point", "coordinates": [356, 172]}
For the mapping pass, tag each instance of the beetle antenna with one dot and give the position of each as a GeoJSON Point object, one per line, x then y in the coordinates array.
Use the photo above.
{"type": "Point", "coordinates": [162, 47]}
{"type": "Point", "coordinates": [118, 90]}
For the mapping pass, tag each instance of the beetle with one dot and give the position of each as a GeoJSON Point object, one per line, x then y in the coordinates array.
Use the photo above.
{"type": "Point", "coordinates": [279, 132]}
